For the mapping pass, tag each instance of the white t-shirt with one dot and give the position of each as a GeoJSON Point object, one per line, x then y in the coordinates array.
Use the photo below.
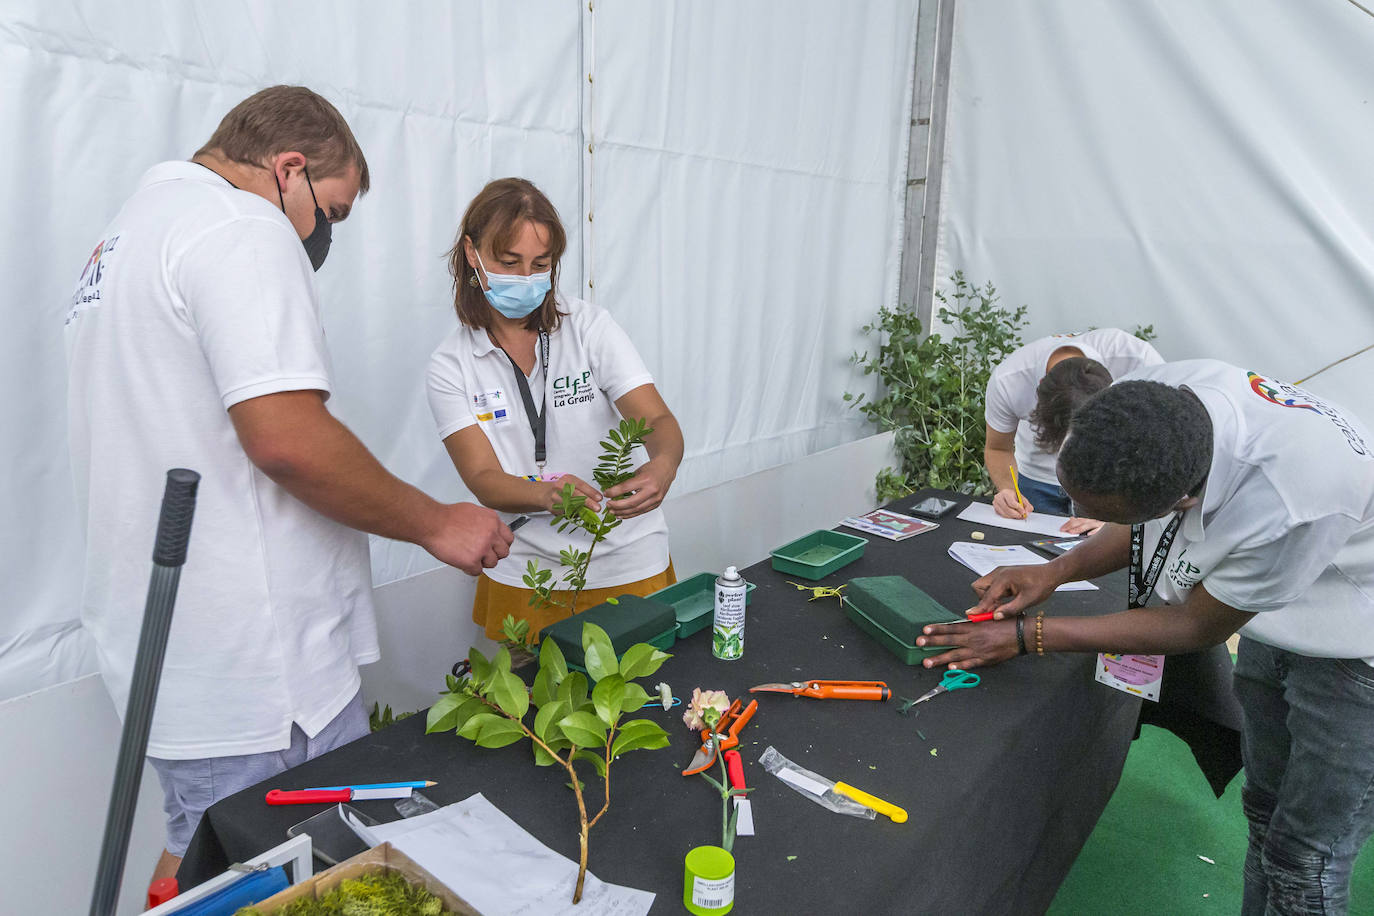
{"type": "Point", "coordinates": [592, 364]}
{"type": "Point", "coordinates": [1286, 523]}
{"type": "Point", "coordinates": [200, 296]}
{"type": "Point", "coordinates": [1011, 387]}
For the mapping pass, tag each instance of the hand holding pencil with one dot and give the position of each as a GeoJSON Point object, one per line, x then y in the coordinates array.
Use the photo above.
{"type": "Point", "coordinates": [1009, 503]}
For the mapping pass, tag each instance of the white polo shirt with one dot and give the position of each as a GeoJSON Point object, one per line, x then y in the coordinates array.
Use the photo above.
{"type": "Point", "coordinates": [1011, 387]}
{"type": "Point", "coordinates": [197, 297]}
{"type": "Point", "coordinates": [592, 364]}
{"type": "Point", "coordinates": [1285, 527]}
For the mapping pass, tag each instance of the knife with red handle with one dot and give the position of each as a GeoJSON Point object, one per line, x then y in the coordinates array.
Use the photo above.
{"type": "Point", "coordinates": [744, 821]}
{"type": "Point", "coordinates": [329, 796]}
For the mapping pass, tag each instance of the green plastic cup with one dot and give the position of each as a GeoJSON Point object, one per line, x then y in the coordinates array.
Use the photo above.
{"type": "Point", "coordinates": [708, 886]}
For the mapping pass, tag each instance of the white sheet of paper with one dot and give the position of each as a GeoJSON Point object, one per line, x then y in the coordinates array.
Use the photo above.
{"type": "Point", "coordinates": [494, 864]}
{"type": "Point", "coordinates": [984, 558]}
{"type": "Point", "coordinates": [1035, 523]}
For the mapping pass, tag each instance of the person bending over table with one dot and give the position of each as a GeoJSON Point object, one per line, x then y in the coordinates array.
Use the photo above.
{"type": "Point", "coordinates": [1031, 395]}
{"type": "Point", "coordinates": [524, 390]}
{"type": "Point", "coordinates": [195, 340]}
{"type": "Point", "coordinates": [1252, 502]}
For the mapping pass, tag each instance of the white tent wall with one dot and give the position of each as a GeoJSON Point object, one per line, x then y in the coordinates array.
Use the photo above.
{"type": "Point", "coordinates": [747, 206]}
{"type": "Point", "coordinates": [1202, 167]}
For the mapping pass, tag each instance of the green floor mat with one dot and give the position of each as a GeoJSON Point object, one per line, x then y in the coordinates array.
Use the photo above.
{"type": "Point", "coordinates": [1144, 856]}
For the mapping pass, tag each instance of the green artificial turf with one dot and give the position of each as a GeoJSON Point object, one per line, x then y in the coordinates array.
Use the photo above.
{"type": "Point", "coordinates": [1143, 856]}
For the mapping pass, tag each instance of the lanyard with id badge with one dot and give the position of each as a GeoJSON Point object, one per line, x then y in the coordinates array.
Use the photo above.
{"type": "Point", "coordinates": [538, 420]}
{"type": "Point", "coordinates": [1140, 675]}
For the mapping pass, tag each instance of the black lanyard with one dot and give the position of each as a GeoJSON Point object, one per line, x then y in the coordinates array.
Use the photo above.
{"type": "Point", "coordinates": [537, 419]}
{"type": "Point", "coordinates": [1142, 586]}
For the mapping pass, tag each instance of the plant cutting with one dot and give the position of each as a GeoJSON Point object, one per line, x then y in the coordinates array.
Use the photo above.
{"type": "Point", "coordinates": [491, 708]}
{"type": "Point", "coordinates": [571, 513]}
{"type": "Point", "coordinates": [705, 712]}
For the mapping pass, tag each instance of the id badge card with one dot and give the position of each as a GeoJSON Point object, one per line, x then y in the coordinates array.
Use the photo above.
{"type": "Point", "coordinates": [1138, 675]}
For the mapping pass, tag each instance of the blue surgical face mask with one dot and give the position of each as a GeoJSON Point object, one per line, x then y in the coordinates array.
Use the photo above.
{"type": "Point", "coordinates": [513, 295]}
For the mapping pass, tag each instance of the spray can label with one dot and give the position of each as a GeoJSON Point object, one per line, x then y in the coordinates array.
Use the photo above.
{"type": "Point", "coordinates": [727, 631]}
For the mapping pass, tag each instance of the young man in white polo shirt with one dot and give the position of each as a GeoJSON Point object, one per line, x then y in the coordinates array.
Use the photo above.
{"type": "Point", "coordinates": [1031, 395]}
{"type": "Point", "coordinates": [1251, 502]}
{"type": "Point", "coordinates": [194, 340]}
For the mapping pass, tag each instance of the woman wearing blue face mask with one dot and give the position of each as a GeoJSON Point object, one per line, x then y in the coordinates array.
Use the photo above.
{"type": "Point", "coordinates": [524, 391]}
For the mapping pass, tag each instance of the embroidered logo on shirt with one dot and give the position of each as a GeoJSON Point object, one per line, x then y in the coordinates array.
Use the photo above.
{"type": "Point", "coordinates": [87, 295]}
{"type": "Point", "coordinates": [574, 389]}
{"type": "Point", "coordinates": [1286, 395]}
{"type": "Point", "coordinates": [1184, 574]}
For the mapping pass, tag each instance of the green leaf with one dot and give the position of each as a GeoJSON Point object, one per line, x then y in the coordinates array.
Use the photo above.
{"type": "Point", "coordinates": [584, 729]}
{"type": "Point", "coordinates": [547, 717]}
{"type": "Point", "coordinates": [443, 715]}
{"type": "Point", "coordinates": [473, 726]}
{"type": "Point", "coordinates": [551, 659]}
{"type": "Point", "coordinates": [499, 733]}
{"type": "Point", "coordinates": [480, 667]}
{"type": "Point", "coordinates": [543, 689]}
{"type": "Point", "coordinates": [607, 696]}
{"type": "Point", "coordinates": [635, 698]}
{"type": "Point", "coordinates": [713, 781]}
{"type": "Point", "coordinates": [596, 760]}
{"type": "Point", "coordinates": [502, 660]}
{"type": "Point", "coordinates": [639, 734]}
{"type": "Point", "coordinates": [599, 655]}
{"type": "Point", "coordinates": [542, 758]}
{"type": "Point", "coordinates": [573, 690]}
{"type": "Point", "coordinates": [641, 660]}
{"type": "Point", "coordinates": [508, 692]}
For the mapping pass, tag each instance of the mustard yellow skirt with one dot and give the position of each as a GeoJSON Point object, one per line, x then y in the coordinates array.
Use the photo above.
{"type": "Point", "coordinates": [495, 600]}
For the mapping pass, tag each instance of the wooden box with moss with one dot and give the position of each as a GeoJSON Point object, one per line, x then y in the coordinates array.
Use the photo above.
{"type": "Point", "coordinates": [896, 605]}
{"type": "Point", "coordinates": [629, 620]}
{"type": "Point", "coordinates": [382, 881]}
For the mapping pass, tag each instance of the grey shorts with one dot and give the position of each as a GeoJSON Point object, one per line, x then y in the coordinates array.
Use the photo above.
{"type": "Point", "coordinates": [191, 786]}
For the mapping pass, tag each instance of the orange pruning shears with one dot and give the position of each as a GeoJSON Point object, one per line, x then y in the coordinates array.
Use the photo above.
{"type": "Point", "coordinates": [829, 690]}
{"type": "Point", "coordinates": [725, 737]}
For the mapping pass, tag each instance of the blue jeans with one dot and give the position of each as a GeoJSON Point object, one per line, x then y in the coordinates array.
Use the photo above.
{"type": "Point", "coordinates": [1046, 497]}
{"type": "Point", "coordinates": [1309, 777]}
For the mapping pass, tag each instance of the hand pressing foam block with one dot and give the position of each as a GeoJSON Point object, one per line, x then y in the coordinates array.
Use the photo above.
{"type": "Point", "coordinates": [896, 605]}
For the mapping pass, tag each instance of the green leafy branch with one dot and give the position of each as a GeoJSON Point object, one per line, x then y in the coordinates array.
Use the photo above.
{"type": "Point", "coordinates": [570, 724]}
{"type": "Point", "coordinates": [571, 514]}
{"type": "Point", "coordinates": [932, 387]}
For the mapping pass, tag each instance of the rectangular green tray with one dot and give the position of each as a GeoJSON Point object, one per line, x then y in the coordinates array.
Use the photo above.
{"type": "Point", "coordinates": [818, 554]}
{"type": "Point", "coordinates": [694, 601]}
{"type": "Point", "coordinates": [910, 655]}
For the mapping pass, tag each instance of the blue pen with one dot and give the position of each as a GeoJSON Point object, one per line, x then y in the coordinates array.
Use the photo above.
{"type": "Point", "coordinates": [412, 784]}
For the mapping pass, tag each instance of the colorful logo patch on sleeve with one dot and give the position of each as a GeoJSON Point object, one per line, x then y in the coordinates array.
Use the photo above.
{"type": "Point", "coordinates": [1286, 395]}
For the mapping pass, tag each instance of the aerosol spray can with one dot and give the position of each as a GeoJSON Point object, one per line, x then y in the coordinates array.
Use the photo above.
{"type": "Point", "coordinates": [727, 630]}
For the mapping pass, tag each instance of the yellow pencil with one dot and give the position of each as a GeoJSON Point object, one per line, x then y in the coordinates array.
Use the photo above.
{"type": "Point", "coordinates": [1020, 500]}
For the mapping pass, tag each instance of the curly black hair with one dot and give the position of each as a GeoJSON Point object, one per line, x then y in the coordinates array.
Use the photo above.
{"type": "Point", "coordinates": [1071, 382]}
{"type": "Point", "coordinates": [1146, 444]}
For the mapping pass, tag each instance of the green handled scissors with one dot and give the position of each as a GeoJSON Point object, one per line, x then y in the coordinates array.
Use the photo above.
{"type": "Point", "coordinates": [954, 679]}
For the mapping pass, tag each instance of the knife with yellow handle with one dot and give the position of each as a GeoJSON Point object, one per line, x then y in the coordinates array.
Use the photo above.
{"type": "Point", "coordinates": [898, 815]}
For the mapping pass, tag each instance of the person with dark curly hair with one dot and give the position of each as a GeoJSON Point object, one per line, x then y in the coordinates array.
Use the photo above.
{"type": "Point", "coordinates": [1248, 505]}
{"type": "Point", "coordinates": [1031, 395]}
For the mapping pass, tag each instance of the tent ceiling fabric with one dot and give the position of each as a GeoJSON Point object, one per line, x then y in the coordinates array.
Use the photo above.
{"type": "Point", "coordinates": [1203, 167]}
{"type": "Point", "coordinates": [746, 183]}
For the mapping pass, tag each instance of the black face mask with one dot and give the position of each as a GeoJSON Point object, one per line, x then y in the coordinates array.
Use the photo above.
{"type": "Point", "coordinates": [317, 242]}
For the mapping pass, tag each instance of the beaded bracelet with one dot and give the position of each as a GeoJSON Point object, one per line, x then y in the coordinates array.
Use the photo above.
{"type": "Point", "coordinates": [1040, 633]}
{"type": "Point", "coordinates": [1021, 633]}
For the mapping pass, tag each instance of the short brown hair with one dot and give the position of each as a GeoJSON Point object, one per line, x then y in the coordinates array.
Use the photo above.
{"type": "Point", "coordinates": [497, 212]}
{"type": "Point", "coordinates": [283, 118]}
{"type": "Point", "coordinates": [1063, 389]}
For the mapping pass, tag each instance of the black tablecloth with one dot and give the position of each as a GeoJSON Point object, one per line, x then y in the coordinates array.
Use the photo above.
{"type": "Point", "coordinates": [1002, 791]}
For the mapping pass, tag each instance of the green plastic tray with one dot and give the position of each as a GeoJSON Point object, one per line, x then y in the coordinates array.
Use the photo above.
{"type": "Point", "coordinates": [818, 554]}
{"type": "Point", "coordinates": [694, 601]}
{"type": "Point", "coordinates": [910, 655]}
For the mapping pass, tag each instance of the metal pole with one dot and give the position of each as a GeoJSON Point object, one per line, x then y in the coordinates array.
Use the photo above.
{"type": "Point", "coordinates": [169, 553]}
